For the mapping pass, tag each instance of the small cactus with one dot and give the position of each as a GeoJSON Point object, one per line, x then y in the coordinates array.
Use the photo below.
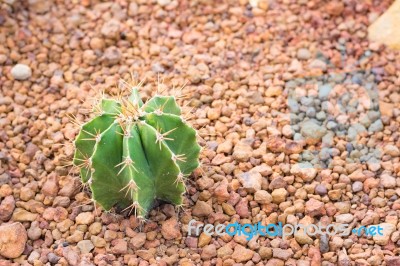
{"type": "Point", "coordinates": [133, 153]}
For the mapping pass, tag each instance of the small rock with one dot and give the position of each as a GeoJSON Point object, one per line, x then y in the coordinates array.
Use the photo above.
{"type": "Point", "coordinates": [21, 215]}
{"type": "Point", "coordinates": [98, 242]}
{"type": "Point", "coordinates": [388, 229]}
{"type": "Point", "coordinates": [209, 252]}
{"type": "Point", "coordinates": [71, 256]}
{"type": "Point", "coordinates": [202, 209]}
{"type": "Point", "coordinates": [138, 240]}
{"type": "Point", "coordinates": [305, 170]}
{"type": "Point", "coordinates": [170, 229]}
{"type": "Point", "coordinates": [112, 56]}
{"type": "Point", "coordinates": [7, 207]}
{"type": "Point", "coordinates": [85, 246]}
{"type": "Point", "coordinates": [315, 208]}
{"type": "Point", "coordinates": [279, 195]}
{"type": "Point", "coordinates": [85, 218]}
{"type": "Point", "coordinates": [303, 54]}
{"type": "Point", "coordinates": [344, 218]}
{"type": "Point", "coordinates": [262, 197]}
{"type": "Point", "coordinates": [120, 246]}
{"type": "Point", "coordinates": [312, 132]}
{"type": "Point", "coordinates": [324, 243]}
{"type": "Point", "coordinates": [388, 181]}
{"type": "Point", "coordinates": [320, 189]}
{"type": "Point", "coordinates": [318, 64]}
{"type": "Point", "coordinates": [13, 238]}
{"type": "Point", "coordinates": [391, 150]}
{"type": "Point", "coordinates": [163, 2]}
{"type": "Point", "coordinates": [334, 8]}
{"type": "Point", "coordinates": [251, 181]}
{"type": "Point", "coordinates": [34, 232]}
{"type": "Point", "coordinates": [242, 151]}
{"type": "Point", "coordinates": [21, 72]}
{"type": "Point", "coordinates": [357, 186]}
{"type": "Point", "coordinates": [242, 254]}
{"type": "Point", "coordinates": [283, 254]}
{"type": "Point", "coordinates": [53, 258]}
{"type": "Point", "coordinates": [39, 6]}
{"type": "Point", "coordinates": [111, 29]}
{"type": "Point", "coordinates": [225, 147]}
{"type": "Point", "coordinates": [242, 208]}
{"type": "Point", "coordinates": [204, 239]}
{"type": "Point", "coordinates": [392, 260]}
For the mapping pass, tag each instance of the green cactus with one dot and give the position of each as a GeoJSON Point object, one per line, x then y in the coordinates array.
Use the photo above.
{"type": "Point", "coordinates": [133, 153]}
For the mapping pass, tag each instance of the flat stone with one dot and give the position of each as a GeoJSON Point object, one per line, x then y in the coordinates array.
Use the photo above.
{"type": "Point", "coordinates": [386, 29]}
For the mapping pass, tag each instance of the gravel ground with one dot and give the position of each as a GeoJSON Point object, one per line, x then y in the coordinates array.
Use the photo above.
{"type": "Point", "coordinates": [242, 59]}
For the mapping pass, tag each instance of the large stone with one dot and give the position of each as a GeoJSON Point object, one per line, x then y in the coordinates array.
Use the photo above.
{"type": "Point", "coordinates": [13, 238]}
{"type": "Point", "coordinates": [386, 29]}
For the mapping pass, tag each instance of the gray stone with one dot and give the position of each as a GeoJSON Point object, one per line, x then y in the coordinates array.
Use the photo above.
{"type": "Point", "coordinates": [324, 91]}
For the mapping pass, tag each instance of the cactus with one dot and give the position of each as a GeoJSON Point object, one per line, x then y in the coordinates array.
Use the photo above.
{"type": "Point", "coordinates": [133, 153]}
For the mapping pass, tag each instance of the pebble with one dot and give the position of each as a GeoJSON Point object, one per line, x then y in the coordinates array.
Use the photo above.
{"type": "Point", "coordinates": [85, 246]}
{"type": "Point", "coordinates": [242, 254]}
{"type": "Point", "coordinates": [7, 207]}
{"type": "Point", "coordinates": [251, 181]}
{"type": "Point", "coordinates": [315, 208]}
{"type": "Point", "coordinates": [387, 230]}
{"type": "Point", "coordinates": [263, 197]}
{"type": "Point", "coordinates": [138, 240]}
{"type": "Point", "coordinates": [320, 189]}
{"type": "Point", "coordinates": [391, 150]}
{"type": "Point", "coordinates": [279, 195]}
{"type": "Point", "coordinates": [163, 2]}
{"type": "Point", "coordinates": [85, 218]}
{"type": "Point", "coordinates": [303, 54]}
{"type": "Point", "coordinates": [357, 186]}
{"type": "Point", "coordinates": [345, 218]}
{"type": "Point", "coordinates": [170, 229]}
{"type": "Point", "coordinates": [119, 246]}
{"type": "Point", "coordinates": [209, 252]}
{"type": "Point", "coordinates": [13, 238]}
{"type": "Point", "coordinates": [388, 181]}
{"type": "Point", "coordinates": [21, 72]}
{"type": "Point", "coordinates": [112, 56]}
{"type": "Point", "coordinates": [202, 209]}
{"type": "Point", "coordinates": [283, 254]}
{"type": "Point", "coordinates": [21, 215]}
{"type": "Point", "coordinates": [312, 132]}
{"type": "Point", "coordinates": [111, 29]}
{"type": "Point", "coordinates": [34, 232]}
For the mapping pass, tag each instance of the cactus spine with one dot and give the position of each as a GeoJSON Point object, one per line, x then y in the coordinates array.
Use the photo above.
{"type": "Point", "coordinates": [133, 153]}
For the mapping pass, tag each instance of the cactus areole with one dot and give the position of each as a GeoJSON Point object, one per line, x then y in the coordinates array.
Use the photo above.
{"type": "Point", "coordinates": [133, 153]}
